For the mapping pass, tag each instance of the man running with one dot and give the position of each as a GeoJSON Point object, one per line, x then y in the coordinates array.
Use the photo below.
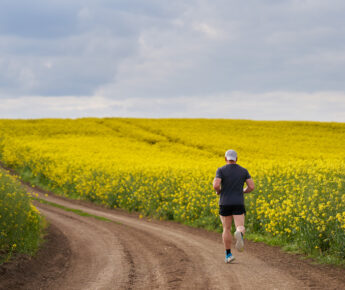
{"type": "Point", "coordinates": [228, 183]}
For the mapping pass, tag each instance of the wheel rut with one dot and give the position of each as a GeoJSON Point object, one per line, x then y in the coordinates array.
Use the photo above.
{"type": "Point", "coordinates": [109, 255]}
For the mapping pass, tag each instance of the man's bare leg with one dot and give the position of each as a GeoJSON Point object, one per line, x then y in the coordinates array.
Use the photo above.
{"type": "Point", "coordinates": [226, 222]}
{"type": "Point", "coordinates": [240, 230]}
{"type": "Point", "coordinates": [239, 223]}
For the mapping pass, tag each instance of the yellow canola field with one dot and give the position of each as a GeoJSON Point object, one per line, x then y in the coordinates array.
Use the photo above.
{"type": "Point", "coordinates": [164, 168]}
{"type": "Point", "coordinates": [20, 222]}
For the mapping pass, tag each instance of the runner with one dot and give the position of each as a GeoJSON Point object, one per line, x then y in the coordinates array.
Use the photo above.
{"type": "Point", "coordinates": [228, 183]}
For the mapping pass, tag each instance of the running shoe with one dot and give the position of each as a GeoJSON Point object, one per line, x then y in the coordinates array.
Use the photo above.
{"type": "Point", "coordinates": [239, 241]}
{"type": "Point", "coordinates": [229, 258]}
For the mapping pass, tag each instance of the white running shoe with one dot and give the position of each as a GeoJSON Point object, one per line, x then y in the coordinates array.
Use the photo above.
{"type": "Point", "coordinates": [229, 258]}
{"type": "Point", "coordinates": [239, 241]}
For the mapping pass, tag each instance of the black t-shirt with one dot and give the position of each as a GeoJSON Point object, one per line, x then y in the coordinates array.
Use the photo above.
{"type": "Point", "coordinates": [233, 178]}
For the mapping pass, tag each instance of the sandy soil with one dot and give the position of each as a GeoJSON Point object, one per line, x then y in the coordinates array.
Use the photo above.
{"type": "Point", "coordinates": [132, 253]}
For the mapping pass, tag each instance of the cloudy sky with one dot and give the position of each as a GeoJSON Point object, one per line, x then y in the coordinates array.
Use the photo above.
{"type": "Point", "coordinates": [263, 60]}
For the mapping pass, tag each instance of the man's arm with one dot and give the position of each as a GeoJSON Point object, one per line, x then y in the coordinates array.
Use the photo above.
{"type": "Point", "coordinates": [216, 184]}
{"type": "Point", "coordinates": [250, 186]}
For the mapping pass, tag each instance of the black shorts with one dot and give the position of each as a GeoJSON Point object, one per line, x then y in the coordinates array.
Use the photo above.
{"type": "Point", "coordinates": [226, 210]}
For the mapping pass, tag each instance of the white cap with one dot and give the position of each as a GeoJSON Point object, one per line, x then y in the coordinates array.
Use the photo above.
{"type": "Point", "coordinates": [231, 155]}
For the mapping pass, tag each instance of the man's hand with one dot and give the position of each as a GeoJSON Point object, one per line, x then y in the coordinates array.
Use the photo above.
{"type": "Point", "coordinates": [216, 185]}
{"type": "Point", "coordinates": [250, 186]}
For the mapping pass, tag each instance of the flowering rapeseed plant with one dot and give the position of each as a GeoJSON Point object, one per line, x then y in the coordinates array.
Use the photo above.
{"type": "Point", "coordinates": [20, 221]}
{"type": "Point", "coordinates": [164, 168]}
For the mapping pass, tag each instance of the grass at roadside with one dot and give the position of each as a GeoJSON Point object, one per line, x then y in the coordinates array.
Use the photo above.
{"type": "Point", "coordinates": [293, 248]}
{"type": "Point", "coordinates": [21, 224]}
{"type": "Point", "coordinates": [76, 211]}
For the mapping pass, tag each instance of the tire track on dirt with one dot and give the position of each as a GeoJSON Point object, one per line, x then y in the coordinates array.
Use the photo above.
{"type": "Point", "coordinates": [96, 253]}
{"type": "Point", "coordinates": [109, 255]}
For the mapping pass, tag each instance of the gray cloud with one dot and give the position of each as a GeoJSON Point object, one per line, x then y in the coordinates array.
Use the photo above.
{"type": "Point", "coordinates": [212, 48]}
{"type": "Point", "coordinates": [37, 19]}
{"type": "Point", "coordinates": [160, 50]}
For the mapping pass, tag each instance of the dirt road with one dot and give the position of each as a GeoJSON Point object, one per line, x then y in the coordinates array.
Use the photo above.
{"type": "Point", "coordinates": [133, 253]}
